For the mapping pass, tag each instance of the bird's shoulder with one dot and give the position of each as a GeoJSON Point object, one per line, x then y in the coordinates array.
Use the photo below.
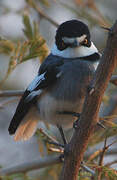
{"type": "Point", "coordinates": [51, 62]}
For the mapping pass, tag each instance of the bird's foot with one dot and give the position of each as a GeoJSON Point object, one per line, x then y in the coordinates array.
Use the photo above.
{"type": "Point", "coordinates": [75, 124]}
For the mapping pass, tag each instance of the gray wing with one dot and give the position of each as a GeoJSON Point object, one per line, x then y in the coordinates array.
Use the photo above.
{"type": "Point", "coordinates": [43, 80]}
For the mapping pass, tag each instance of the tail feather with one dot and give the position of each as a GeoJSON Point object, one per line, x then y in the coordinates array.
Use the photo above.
{"type": "Point", "coordinates": [27, 126]}
{"type": "Point", "coordinates": [26, 130]}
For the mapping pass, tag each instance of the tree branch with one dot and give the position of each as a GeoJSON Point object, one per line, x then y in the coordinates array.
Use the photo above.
{"type": "Point", "coordinates": [38, 164]}
{"type": "Point", "coordinates": [41, 13]}
{"type": "Point", "coordinates": [101, 159]}
{"type": "Point", "coordinates": [9, 93]}
{"type": "Point", "coordinates": [89, 117]}
{"type": "Point", "coordinates": [33, 165]}
{"type": "Point", "coordinates": [114, 79]}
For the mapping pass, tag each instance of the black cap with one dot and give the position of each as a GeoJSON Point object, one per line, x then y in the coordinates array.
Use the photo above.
{"type": "Point", "coordinates": [72, 28]}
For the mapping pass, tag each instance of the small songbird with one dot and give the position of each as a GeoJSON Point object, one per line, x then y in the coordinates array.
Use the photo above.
{"type": "Point", "coordinates": [59, 89]}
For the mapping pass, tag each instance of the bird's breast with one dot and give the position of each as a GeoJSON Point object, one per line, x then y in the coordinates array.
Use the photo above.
{"type": "Point", "coordinates": [67, 94]}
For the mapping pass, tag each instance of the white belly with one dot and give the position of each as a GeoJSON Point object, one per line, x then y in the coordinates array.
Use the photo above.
{"type": "Point", "coordinates": [49, 108]}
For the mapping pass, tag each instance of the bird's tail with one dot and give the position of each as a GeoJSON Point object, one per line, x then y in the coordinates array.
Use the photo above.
{"type": "Point", "coordinates": [26, 130]}
{"type": "Point", "coordinates": [27, 127]}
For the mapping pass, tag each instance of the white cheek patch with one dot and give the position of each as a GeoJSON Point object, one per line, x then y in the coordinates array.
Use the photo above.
{"type": "Point", "coordinates": [71, 40]}
{"type": "Point", "coordinates": [81, 39]}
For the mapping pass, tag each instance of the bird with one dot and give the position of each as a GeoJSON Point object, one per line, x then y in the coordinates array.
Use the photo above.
{"type": "Point", "coordinates": [58, 91]}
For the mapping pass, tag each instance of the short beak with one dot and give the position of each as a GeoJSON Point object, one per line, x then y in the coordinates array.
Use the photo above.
{"type": "Point", "coordinates": [76, 43]}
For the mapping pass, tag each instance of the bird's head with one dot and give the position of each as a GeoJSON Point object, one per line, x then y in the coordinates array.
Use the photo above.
{"type": "Point", "coordinates": [73, 40]}
{"type": "Point", "coordinates": [72, 34]}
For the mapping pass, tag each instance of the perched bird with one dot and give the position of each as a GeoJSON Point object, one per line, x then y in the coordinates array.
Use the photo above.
{"type": "Point", "coordinates": [59, 89]}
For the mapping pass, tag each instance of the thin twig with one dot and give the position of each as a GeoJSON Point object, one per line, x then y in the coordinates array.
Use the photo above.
{"type": "Point", "coordinates": [111, 163]}
{"type": "Point", "coordinates": [114, 79]}
{"type": "Point", "coordinates": [47, 135]}
{"type": "Point", "coordinates": [7, 102]}
{"type": "Point", "coordinates": [87, 169]}
{"type": "Point", "coordinates": [98, 152]}
{"type": "Point", "coordinates": [102, 159]}
{"type": "Point", "coordinates": [52, 149]}
{"type": "Point", "coordinates": [35, 164]}
{"type": "Point", "coordinates": [94, 155]}
{"type": "Point", "coordinates": [9, 93]}
{"type": "Point", "coordinates": [41, 13]}
{"type": "Point", "coordinates": [103, 153]}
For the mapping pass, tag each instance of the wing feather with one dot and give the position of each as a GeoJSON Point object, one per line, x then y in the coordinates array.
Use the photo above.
{"type": "Point", "coordinates": [25, 129]}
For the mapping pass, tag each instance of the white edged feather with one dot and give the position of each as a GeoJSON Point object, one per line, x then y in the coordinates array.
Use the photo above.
{"type": "Point", "coordinates": [36, 82]}
{"type": "Point", "coordinates": [33, 94]}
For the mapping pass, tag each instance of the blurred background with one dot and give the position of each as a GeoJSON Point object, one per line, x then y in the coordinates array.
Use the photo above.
{"type": "Point", "coordinates": [27, 30]}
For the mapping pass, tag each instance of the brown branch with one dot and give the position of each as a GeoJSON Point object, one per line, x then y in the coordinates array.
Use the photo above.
{"type": "Point", "coordinates": [111, 163]}
{"type": "Point", "coordinates": [10, 93]}
{"type": "Point", "coordinates": [102, 159]}
{"type": "Point", "coordinates": [87, 169]}
{"type": "Point", "coordinates": [114, 79]}
{"type": "Point", "coordinates": [41, 13]}
{"type": "Point", "coordinates": [42, 131]}
{"type": "Point", "coordinates": [89, 117]}
{"type": "Point", "coordinates": [93, 155]}
{"type": "Point", "coordinates": [35, 164]}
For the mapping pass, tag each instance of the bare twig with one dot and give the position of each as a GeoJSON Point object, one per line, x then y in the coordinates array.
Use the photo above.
{"type": "Point", "coordinates": [9, 93]}
{"type": "Point", "coordinates": [47, 135]}
{"type": "Point", "coordinates": [111, 163]}
{"type": "Point", "coordinates": [87, 169]}
{"type": "Point", "coordinates": [114, 79]}
{"type": "Point", "coordinates": [41, 13]}
{"type": "Point", "coordinates": [91, 4]}
{"type": "Point", "coordinates": [7, 102]}
{"type": "Point", "coordinates": [98, 152]}
{"type": "Point", "coordinates": [50, 139]}
{"type": "Point", "coordinates": [52, 149]}
{"type": "Point", "coordinates": [94, 155]}
{"type": "Point", "coordinates": [36, 164]}
{"type": "Point", "coordinates": [102, 158]}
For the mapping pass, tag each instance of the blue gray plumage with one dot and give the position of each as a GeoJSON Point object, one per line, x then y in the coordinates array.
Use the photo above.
{"type": "Point", "coordinates": [61, 83]}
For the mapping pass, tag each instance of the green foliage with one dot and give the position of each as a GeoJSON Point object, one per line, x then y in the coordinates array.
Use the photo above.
{"type": "Point", "coordinates": [19, 52]}
{"type": "Point", "coordinates": [6, 46]}
{"type": "Point", "coordinates": [28, 31]}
